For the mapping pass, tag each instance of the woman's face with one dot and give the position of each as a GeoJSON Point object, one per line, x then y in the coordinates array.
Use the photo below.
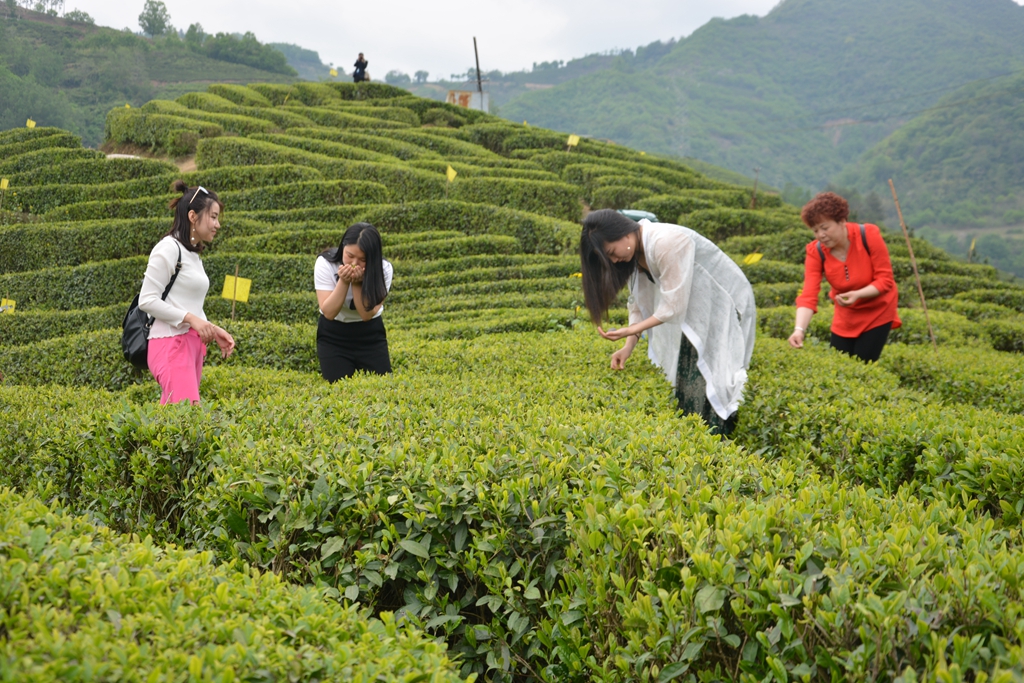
{"type": "Point", "coordinates": [622, 250]}
{"type": "Point", "coordinates": [352, 255]}
{"type": "Point", "coordinates": [205, 224]}
{"type": "Point", "coordinates": [831, 233]}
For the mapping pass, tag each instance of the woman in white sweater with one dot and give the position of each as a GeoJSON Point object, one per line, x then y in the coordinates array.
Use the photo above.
{"type": "Point", "coordinates": [180, 332]}
{"type": "Point", "coordinates": [692, 300]}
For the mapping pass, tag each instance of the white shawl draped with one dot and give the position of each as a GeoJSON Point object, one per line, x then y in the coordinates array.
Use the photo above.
{"type": "Point", "coordinates": [700, 292]}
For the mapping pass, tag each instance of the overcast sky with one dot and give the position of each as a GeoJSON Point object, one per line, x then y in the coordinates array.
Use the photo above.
{"type": "Point", "coordinates": [410, 35]}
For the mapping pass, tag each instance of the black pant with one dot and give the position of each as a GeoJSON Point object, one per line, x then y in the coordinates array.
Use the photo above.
{"type": "Point", "coordinates": [344, 348]}
{"type": "Point", "coordinates": [868, 346]}
{"type": "Point", "coordinates": [692, 392]}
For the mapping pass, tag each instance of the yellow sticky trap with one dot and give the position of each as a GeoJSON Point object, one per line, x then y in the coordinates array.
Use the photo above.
{"type": "Point", "coordinates": [573, 140]}
{"type": "Point", "coordinates": [334, 72]}
{"type": "Point", "coordinates": [451, 173]}
{"type": "Point", "coordinates": [751, 259]}
{"type": "Point", "coordinates": [236, 288]}
{"type": "Point", "coordinates": [972, 241]}
{"type": "Point", "coordinates": [4, 183]}
{"type": "Point", "coordinates": [127, 106]}
{"type": "Point", "coordinates": [576, 275]}
{"type": "Point", "coordinates": [643, 153]}
{"type": "Point", "coordinates": [30, 124]}
{"type": "Point", "coordinates": [7, 305]}
{"type": "Point", "coordinates": [525, 123]}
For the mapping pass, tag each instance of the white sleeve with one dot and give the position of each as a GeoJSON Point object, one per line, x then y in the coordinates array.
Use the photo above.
{"type": "Point", "coordinates": [389, 275]}
{"type": "Point", "coordinates": [323, 275]}
{"type": "Point", "coordinates": [162, 261]}
{"type": "Point", "coordinates": [675, 255]}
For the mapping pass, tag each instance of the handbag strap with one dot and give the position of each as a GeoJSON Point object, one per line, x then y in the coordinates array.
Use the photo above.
{"type": "Point", "coordinates": [177, 269]}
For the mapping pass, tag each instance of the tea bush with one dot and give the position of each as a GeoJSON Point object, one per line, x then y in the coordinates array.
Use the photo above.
{"type": "Point", "coordinates": [84, 603]}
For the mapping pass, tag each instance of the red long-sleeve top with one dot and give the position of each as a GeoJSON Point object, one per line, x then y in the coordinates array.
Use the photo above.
{"type": "Point", "coordinates": [859, 270]}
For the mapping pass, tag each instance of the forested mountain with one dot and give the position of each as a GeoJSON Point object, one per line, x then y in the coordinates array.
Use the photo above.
{"type": "Point", "coordinates": [69, 74]}
{"type": "Point", "coordinates": [800, 93]}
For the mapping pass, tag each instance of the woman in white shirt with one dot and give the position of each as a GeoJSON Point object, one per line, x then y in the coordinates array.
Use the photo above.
{"type": "Point", "coordinates": [180, 331]}
{"type": "Point", "coordinates": [693, 301]}
{"type": "Point", "coordinates": [351, 283]}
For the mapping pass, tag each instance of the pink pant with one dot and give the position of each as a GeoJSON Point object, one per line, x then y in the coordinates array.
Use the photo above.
{"type": "Point", "coordinates": [177, 364]}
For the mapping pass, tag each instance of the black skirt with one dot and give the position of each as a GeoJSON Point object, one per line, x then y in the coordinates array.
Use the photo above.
{"type": "Point", "coordinates": [692, 391]}
{"type": "Point", "coordinates": [344, 348]}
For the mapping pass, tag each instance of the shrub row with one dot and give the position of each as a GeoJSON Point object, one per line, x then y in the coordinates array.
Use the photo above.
{"type": "Point", "coordinates": [44, 198]}
{"type": "Point", "coordinates": [337, 118]}
{"type": "Point", "coordinates": [400, 114]}
{"type": "Point", "coordinates": [173, 135]}
{"type": "Point", "coordinates": [853, 422]}
{"type": "Point", "coordinates": [452, 244]}
{"type": "Point", "coordinates": [443, 145]}
{"type": "Point", "coordinates": [231, 123]}
{"type": "Point", "coordinates": [300, 240]}
{"type": "Point", "coordinates": [375, 143]}
{"type": "Point", "coordinates": [14, 167]}
{"type": "Point", "coordinates": [335, 150]}
{"type": "Point", "coordinates": [239, 94]}
{"type": "Point", "coordinates": [721, 223]}
{"type": "Point", "coordinates": [592, 176]}
{"type": "Point", "coordinates": [84, 603]}
{"type": "Point", "coordinates": [469, 169]}
{"type": "Point", "coordinates": [52, 139]}
{"type": "Point", "coordinates": [403, 182]}
{"type": "Point", "coordinates": [94, 171]}
{"type": "Point", "coordinates": [296, 195]}
{"type": "Point", "coordinates": [535, 533]}
{"type": "Point", "coordinates": [15, 136]}
{"type": "Point", "coordinates": [1009, 297]}
{"type": "Point", "coordinates": [982, 378]}
{"type": "Point", "coordinates": [543, 197]}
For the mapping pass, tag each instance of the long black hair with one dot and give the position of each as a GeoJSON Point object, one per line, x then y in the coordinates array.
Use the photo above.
{"type": "Point", "coordinates": [197, 199]}
{"type": "Point", "coordinates": [366, 237]}
{"type": "Point", "coordinates": [602, 278]}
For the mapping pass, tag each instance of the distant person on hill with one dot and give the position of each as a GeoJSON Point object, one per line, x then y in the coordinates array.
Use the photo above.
{"type": "Point", "coordinates": [855, 261]}
{"type": "Point", "coordinates": [692, 300]}
{"type": "Point", "coordinates": [351, 283]}
{"type": "Point", "coordinates": [180, 332]}
{"type": "Point", "coordinates": [359, 75]}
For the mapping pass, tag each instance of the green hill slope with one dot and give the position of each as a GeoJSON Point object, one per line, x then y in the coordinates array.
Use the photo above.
{"type": "Point", "coordinates": [504, 504]}
{"type": "Point", "coordinates": [67, 74]}
{"type": "Point", "coordinates": [800, 93]}
{"type": "Point", "coordinates": [960, 166]}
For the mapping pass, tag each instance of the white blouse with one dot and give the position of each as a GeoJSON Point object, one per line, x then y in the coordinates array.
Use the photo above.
{"type": "Point", "coordinates": [325, 278]}
{"type": "Point", "coordinates": [700, 292]}
{"type": "Point", "coordinates": [186, 296]}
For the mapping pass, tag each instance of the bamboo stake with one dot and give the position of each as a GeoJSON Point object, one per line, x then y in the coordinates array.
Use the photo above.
{"type": "Point", "coordinates": [234, 294]}
{"type": "Point", "coordinates": [913, 264]}
{"type": "Point", "coordinates": [753, 197]}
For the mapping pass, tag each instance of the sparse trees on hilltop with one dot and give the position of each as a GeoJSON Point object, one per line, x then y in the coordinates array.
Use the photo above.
{"type": "Point", "coordinates": [155, 19]}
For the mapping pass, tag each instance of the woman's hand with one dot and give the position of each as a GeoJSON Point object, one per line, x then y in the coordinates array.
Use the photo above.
{"type": "Point", "coordinates": [847, 298]}
{"type": "Point", "coordinates": [615, 335]}
{"type": "Point", "coordinates": [346, 273]}
{"type": "Point", "coordinates": [357, 274]}
{"type": "Point", "coordinates": [620, 357]}
{"type": "Point", "coordinates": [225, 341]}
{"type": "Point", "coordinates": [204, 328]}
{"type": "Point", "coordinates": [796, 340]}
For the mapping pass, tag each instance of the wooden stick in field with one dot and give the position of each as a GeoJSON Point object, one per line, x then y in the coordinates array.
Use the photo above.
{"type": "Point", "coordinates": [234, 294]}
{"type": "Point", "coordinates": [913, 264]}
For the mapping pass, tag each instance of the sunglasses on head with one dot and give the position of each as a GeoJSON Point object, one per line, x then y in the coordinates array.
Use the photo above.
{"type": "Point", "coordinates": [198, 190]}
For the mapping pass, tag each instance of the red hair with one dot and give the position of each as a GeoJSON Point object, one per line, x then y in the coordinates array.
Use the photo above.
{"type": "Point", "coordinates": [826, 206]}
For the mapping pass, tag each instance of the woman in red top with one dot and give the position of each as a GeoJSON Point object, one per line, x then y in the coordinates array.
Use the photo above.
{"type": "Point", "coordinates": [855, 261]}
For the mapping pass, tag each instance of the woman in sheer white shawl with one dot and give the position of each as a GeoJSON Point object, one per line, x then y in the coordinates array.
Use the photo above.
{"type": "Point", "coordinates": [692, 300]}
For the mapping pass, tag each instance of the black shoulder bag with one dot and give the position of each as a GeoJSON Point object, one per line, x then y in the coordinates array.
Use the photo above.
{"type": "Point", "coordinates": [136, 324]}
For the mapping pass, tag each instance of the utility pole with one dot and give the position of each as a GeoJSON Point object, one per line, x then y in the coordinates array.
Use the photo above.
{"type": "Point", "coordinates": [479, 78]}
